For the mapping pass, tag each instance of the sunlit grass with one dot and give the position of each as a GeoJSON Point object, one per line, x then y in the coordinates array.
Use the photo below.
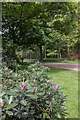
{"type": "Point", "coordinates": [69, 81]}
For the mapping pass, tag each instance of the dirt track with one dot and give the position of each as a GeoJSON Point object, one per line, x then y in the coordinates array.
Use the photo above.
{"type": "Point", "coordinates": [66, 66]}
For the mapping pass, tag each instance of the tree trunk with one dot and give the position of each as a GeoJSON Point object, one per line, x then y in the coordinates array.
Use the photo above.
{"type": "Point", "coordinates": [68, 51]}
{"type": "Point", "coordinates": [58, 56]}
{"type": "Point", "coordinates": [30, 56]}
{"type": "Point", "coordinates": [45, 52]}
{"type": "Point", "coordinates": [22, 58]}
{"type": "Point", "coordinates": [40, 51]}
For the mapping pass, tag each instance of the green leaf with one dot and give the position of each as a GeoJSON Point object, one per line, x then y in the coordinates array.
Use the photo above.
{"type": "Point", "coordinates": [1, 100]}
{"type": "Point", "coordinates": [1, 112]}
{"type": "Point", "coordinates": [9, 112]}
{"type": "Point", "coordinates": [32, 96]}
{"type": "Point", "coordinates": [6, 99]}
{"type": "Point", "coordinates": [24, 102]}
{"type": "Point", "coordinates": [59, 116]}
{"type": "Point", "coordinates": [1, 94]}
{"type": "Point", "coordinates": [3, 117]}
{"type": "Point", "coordinates": [44, 116]}
{"type": "Point", "coordinates": [11, 99]}
{"type": "Point", "coordinates": [11, 92]}
{"type": "Point", "coordinates": [40, 93]}
{"type": "Point", "coordinates": [10, 106]}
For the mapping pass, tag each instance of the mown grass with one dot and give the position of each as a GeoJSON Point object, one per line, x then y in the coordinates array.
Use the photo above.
{"type": "Point", "coordinates": [69, 81]}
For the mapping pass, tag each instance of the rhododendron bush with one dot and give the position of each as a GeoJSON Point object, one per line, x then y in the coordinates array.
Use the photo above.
{"type": "Point", "coordinates": [29, 93]}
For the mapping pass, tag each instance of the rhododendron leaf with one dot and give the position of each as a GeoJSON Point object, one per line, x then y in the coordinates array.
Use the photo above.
{"type": "Point", "coordinates": [32, 96]}
{"type": "Point", "coordinates": [10, 106]}
{"type": "Point", "coordinates": [1, 100]}
{"type": "Point", "coordinates": [3, 117]}
{"type": "Point", "coordinates": [1, 94]}
{"type": "Point", "coordinates": [6, 99]}
{"type": "Point", "coordinates": [59, 116]}
{"type": "Point", "coordinates": [45, 115]}
{"type": "Point", "coordinates": [24, 102]}
{"type": "Point", "coordinates": [11, 99]}
{"type": "Point", "coordinates": [0, 111]}
{"type": "Point", "coordinates": [11, 92]}
{"type": "Point", "coordinates": [16, 88]}
{"type": "Point", "coordinates": [9, 112]}
{"type": "Point", "coordinates": [40, 93]}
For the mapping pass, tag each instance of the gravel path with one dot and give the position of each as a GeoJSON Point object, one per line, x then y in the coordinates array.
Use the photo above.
{"type": "Point", "coordinates": [66, 66]}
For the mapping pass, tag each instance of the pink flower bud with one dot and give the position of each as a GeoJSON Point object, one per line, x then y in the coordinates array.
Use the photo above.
{"type": "Point", "coordinates": [0, 49]}
{"type": "Point", "coordinates": [37, 61]}
{"type": "Point", "coordinates": [2, 57]}
{"type": "Point", "coordinates": [5, 56]}
{"type": "Point", "coordinates": [48, 81]}
{"type": "Point", "coordinates": [56, 87]}
{"type": "Point", "coordinates": [2, 104]}
{"type": "Point", "coordinates": [23, 73]}
{"type": "Point", "coordinates": [23, 85]}
{"type": "Point", "coordinates": [14, 60]}
{"type": "Point", "coordinates": [6, 87]}
{"type": "Point", "coordinates": [55, 84]}
{"type": "Point", "coordinates": [5, 67]}
{"type": "Point", "coordinates": [12, 75]}
{"type": "Point", "coordinates": [33, 84]}
{"type": "Point", "coordinates": [46, 86]}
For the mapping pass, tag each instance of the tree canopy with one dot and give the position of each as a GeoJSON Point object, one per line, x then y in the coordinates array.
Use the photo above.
{"type": "Point", "coordinates": [30, 23]}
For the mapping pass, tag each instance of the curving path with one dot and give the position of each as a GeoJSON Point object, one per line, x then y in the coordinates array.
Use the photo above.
{"type": "Point", "coordinates": [66, 66]}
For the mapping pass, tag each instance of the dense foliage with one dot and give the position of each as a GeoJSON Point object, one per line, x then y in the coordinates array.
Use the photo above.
{"type": "Point", "coordinates": [29, 24]}
{"type": "Point", "coordinates": [29, 93]}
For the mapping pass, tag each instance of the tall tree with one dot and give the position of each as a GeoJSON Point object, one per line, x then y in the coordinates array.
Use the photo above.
{"type": "Point", "coordinates": [25, 24]}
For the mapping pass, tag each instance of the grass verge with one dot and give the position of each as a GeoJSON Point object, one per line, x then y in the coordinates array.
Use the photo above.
{"type": "Point", "coordinates": [69, 81]}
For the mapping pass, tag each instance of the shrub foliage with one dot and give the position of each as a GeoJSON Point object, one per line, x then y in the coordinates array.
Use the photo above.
{"type": "Point", "coordinates": [29, 93]}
